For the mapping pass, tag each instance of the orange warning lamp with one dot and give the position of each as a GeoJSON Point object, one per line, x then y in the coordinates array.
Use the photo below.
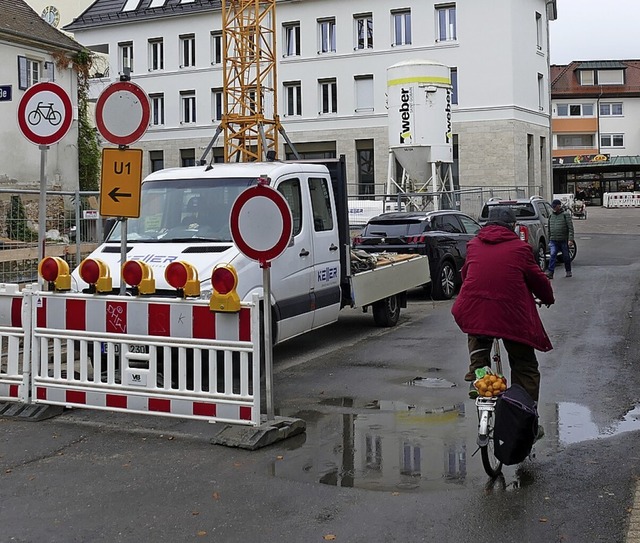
{"type": "Point", "coordinates": [55, 271]}
{"type": "Point", "coordinates": [97, 274]}
{"type": "Point", "coordinates": [183, 277]}
{"type": "Point", "coordinates": [139, 275]}
{"type": "Point", "coordinates": [224, 280]}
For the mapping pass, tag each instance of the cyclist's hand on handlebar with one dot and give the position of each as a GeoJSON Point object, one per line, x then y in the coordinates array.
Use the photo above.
{"type": "Point", "coordinates": [539, 302]}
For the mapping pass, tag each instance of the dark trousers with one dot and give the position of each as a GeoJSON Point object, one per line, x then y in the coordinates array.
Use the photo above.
{"type": "Point", "coordinates": [561, 246]}
{"type": "Point", "coordinates": [522, 360]}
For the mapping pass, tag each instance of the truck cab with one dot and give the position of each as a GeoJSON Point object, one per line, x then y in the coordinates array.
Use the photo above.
{"type": "Point", "coordinates": [185, 214]}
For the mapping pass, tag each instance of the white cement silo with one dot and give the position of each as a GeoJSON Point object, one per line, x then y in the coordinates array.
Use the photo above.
{"type": "Point", "coordinates": [419, 109]}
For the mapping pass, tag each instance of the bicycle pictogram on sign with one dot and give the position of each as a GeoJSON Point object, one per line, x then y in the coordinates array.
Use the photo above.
{"type": "Point", "coordinates": [45, 112]}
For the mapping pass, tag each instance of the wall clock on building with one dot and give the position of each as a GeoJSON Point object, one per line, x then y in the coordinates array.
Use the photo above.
{"type": "Point", "coordinates": [51, 15]}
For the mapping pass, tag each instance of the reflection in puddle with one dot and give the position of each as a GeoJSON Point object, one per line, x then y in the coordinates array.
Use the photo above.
{"type": "Point", "coordinates": [575, 424]}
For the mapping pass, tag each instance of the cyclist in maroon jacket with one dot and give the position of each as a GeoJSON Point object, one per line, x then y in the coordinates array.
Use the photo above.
{"type": "Point", "coordinates": [500, 280]}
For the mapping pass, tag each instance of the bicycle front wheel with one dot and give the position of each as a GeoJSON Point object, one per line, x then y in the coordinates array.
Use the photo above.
{"type": "Point", "coordinates": [492, 466]}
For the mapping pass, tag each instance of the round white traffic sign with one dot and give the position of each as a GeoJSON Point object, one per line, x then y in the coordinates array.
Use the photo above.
{"type": "Point", "coordinates": [45, 113]}
{"type": "Point", "coordinates": [261, 223]}
{"type": "Point", "coordinates": [122, 113]}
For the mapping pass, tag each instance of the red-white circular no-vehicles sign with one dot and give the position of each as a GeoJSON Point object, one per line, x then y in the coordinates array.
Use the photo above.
{"type": "Point", "coordinates": [261, 223]}
{"type": "Point", "coordinates": [122, 113]}
{"type": "Point", "coordinates": [45, 113]}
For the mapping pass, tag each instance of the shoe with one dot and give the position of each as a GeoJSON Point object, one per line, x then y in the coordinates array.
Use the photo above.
{"type": "Point", "coordinates": [470, 376]}
{"type": "Point", "coordinates": [473, 392]}
{"type": "Point", "coordinates": [549, 275]}
{"type": "Point", "coordinates": [540, 433]}
{"type": "Point", "coordinates": [569, 274]}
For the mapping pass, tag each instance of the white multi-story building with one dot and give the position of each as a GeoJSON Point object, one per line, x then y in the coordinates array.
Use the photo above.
{"type": "Point", "coordinates": [28, 46]}
{"type": "Point", "coordinates": [332, 80]}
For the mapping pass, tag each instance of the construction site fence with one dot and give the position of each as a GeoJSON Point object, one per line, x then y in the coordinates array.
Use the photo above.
{"type": "Point", "coordinates": [469, 200]}
{"type": "Point", "coordinates": [73, 229]}
{"type": "Point", "coordinates": [158, 356]}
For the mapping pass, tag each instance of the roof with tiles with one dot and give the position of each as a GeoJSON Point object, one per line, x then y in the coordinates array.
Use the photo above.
{"type": "Point", "coordinates": [565, 82]}
{"type": "Point", "coordinates": [20, 24]}
{"type": "Point", "coordinates": [107, 12]}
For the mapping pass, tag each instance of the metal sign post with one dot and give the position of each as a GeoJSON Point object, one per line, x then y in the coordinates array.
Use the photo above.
{"type": "Point", "coordinates": [42, 208]}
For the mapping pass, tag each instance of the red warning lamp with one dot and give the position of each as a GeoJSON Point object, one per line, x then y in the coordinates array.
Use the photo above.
{"type": "Point", "coordinates": [96, 273]}
{"type": "Point", "coordinates": [55, 271]}
{"type": "Point", "coordinates": [183, 277]}
{"type": "Point", "coordinates": [224, 280]}
{"type": "Point", "coordinates": [139, 275]}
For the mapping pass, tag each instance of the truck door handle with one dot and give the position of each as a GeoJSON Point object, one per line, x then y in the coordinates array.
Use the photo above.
{"type": "Point", "coordinates": [333, 247]}
{"type": "Point", "coordinates": [304, 252]}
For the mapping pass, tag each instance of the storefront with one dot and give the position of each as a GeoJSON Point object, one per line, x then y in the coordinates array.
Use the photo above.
{"type": "Point", "coordinates": [589, 179]}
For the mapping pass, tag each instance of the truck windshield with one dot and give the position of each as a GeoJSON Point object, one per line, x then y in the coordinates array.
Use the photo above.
{"type": "Point", "coordinates": [178, 210]}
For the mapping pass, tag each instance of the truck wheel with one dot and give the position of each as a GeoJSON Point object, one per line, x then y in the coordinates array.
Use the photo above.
{"type": "Point", "coordinates": [445, 283]}
{"type": "Point", "coordinates": [541, 257]}
{"type": "Point", "coordinates": [386, 312]}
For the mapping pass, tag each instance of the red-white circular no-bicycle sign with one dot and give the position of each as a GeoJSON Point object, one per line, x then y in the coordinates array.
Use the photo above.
{"type": "Point", "coordinates": [122, 113]}
{"type": "Point", "coordinates": [261, 223]}
{"type": "Point", "coordinates": [45, 113]}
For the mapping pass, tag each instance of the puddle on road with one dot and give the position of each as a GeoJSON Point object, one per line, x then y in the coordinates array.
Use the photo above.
{"type": "Point", "coordinates": [575, 424]}
{"type": "Point", "coordinates": [395, 446]}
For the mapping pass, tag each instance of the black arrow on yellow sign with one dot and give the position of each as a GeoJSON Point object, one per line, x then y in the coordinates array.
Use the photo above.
{"type": "Point", "coordinates": [114, 194]}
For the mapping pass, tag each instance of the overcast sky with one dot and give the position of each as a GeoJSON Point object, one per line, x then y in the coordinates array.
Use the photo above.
{"type": "Point", "coordinates": [595, 30]}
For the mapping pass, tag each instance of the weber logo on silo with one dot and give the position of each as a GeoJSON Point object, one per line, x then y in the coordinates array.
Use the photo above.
{"type": "Point", "coordinates": [406, 112]}
{"type": "Point", "coordinates": [447, 109]}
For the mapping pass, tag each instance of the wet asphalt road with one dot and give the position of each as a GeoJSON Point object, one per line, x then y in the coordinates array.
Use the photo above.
{"type": "Point", "coordinates": [384, 458]}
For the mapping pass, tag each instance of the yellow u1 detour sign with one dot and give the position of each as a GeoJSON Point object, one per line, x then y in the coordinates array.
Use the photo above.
{"type": "Point", "coordinates": [120, 183]}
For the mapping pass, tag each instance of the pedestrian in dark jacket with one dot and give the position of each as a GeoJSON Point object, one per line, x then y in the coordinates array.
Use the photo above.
{"type": "Point", "coordinates": [500, 278]}
{"type": "Point", "coordinates": [560, 237]}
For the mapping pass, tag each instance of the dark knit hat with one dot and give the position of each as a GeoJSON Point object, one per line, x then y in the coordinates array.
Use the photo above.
{"type": "Point", "coordinates": [502, 215]}
{"type": "Point", "coordinates": [556, 202]}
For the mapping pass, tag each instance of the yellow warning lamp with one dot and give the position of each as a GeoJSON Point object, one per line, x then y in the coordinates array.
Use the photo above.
{"type": "Point", "coordinates": [183, 277]}
{"type": "Point", "coordinates": [55, 271]}
{"type": "Point", "coordinates": [96, 273]}
{"type": "Point", "coordinates": [224, 280]}
{"type": "Point", "coordinates": [139, 275]}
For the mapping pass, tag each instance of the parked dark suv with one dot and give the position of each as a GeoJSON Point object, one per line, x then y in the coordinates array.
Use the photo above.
{"type": "Point", "coordinates": [441, 235]}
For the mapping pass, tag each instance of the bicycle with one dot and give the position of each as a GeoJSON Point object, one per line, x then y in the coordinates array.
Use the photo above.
{"type": "Point", "coordinates": [486, 407]}
{"type": "Point", "coordinates": [44, 112]}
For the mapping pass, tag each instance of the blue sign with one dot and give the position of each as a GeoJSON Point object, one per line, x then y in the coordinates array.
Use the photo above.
{"type": "Point", "coordinates": [5, 93]}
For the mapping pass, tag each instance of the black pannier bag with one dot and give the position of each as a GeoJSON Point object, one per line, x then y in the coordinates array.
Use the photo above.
{"type": "Point", "coordinates": [515, 425]}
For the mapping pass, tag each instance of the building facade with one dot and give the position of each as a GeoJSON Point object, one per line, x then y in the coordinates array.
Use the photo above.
{"type": "Point", "coordinates": [332, 81]}
{"type": "Point", "coordinates": [596, 137]}
{"type": "Point", "coordinates": [27, 48]}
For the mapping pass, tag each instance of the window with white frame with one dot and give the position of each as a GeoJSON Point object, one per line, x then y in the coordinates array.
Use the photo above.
{"type": "Point", "coordinates": [575, 141]}
{"type": "Point", "coordinates": [327, 35]}
{"type": "Point", "coordinates": [157, 108]}
{"type": "Point", "coordinates": [188, 106]}
{"type": "Point", "coordinates": [125, 56]}
{"type": "Point", "coordinates": [216, 48]}
{"type": "Point", "coordinates": [611, 140]}
{"type": "Point", "coordinates": [610, 109]}
{"type": "Point", "coordinates": [187, 50]}
{"type": "Point", "coordinates": [611, 77]}
{"type": "Point", "coordinates": [364, 92]}
{"type": "Point", "coordinates": [363, 30]}
{"type": "Point", "coordinates": [293, 96]}
{"type": "Point", "coordinates": [28, 72]}
{"type": "Point", "coordinates": [454, 85]}
{"type": "Point", "coordinates": [156, 54]}
{"type": "Point", "coordinates": [446, 22]}
{"type": "Point", "coordinates": [574, 110]}
{"type": "Point", "coordinates": [401, 27]}
{"type": "Point", "coordinates": [217, 104]}
{"type": "Point", "coordinates": [587, 77]}
{"type": "Point", "coordinates": [328, 96]}
{"type": "Point", "coordinates": [291, 39]}
{"type": "Point", "coordinates": [541, 93]}
{"type": "Point", "coordinates": [539, 33]}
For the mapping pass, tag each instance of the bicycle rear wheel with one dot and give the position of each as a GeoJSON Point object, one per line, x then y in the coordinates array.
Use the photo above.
{"type": "Point", "coordinates": [492, 466]}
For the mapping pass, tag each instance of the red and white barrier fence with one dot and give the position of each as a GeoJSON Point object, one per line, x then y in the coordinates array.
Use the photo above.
{"type": "Point", "coordinates": [170, 357]}
{"type": "Point", "coordinates": [621, 199]}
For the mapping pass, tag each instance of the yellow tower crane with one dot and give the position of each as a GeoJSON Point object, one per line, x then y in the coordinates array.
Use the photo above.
{"type": "Point", "coordinates": [250, 119]}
